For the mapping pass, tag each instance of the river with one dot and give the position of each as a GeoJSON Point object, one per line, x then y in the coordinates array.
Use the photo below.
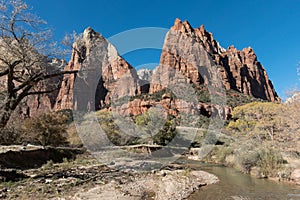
{"type": "Point", "coordinates": [234, 185]}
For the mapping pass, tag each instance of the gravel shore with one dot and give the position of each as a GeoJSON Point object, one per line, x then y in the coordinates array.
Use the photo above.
{"type": "Point", "coordinates": [162, 185]}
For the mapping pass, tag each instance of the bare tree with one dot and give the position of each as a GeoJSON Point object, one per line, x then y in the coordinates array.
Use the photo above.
{"type": "Point", "coordinates": [25, 49]}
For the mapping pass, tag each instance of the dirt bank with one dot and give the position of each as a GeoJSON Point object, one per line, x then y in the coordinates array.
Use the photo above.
{"type": "Point", "coordinates": [86, 178]}
{"type": "Point", "coordinates": [163, 185]}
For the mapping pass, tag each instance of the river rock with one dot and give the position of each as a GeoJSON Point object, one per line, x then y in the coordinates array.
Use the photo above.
{"type": "Point", "coordinates": [295, 176]}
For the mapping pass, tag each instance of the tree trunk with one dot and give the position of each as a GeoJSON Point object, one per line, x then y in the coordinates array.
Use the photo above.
{"type": "Point", "coordinates": [5, 113]}
{"type": "Point", "coordinates": [4, 118]}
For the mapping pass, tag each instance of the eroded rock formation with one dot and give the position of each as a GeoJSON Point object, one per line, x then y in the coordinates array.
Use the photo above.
{"type": "Point", "coordinates": [190, 57]}
{"type": "Point", "coordinates": [104, 75]}
{"type": "Point", "coordinates": [194, 52]}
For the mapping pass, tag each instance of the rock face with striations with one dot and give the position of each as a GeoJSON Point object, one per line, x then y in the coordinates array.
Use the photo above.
{"type": "Point", "coordinates": [193, 52]}
{"type": "Point", "coordinates": [242, 72]}
{"type": "Point", "coordinates": [104, 75]}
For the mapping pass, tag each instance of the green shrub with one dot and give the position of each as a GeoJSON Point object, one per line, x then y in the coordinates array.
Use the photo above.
{"type": "Point", "coordinates": [46, 129]}
{"type": "Point", "coordinates": [165, 135]}
{"type": "Point", "coordinates": [203, 121]}
{"type": "Point", "coordinates": [270, 162]}
{"type": "Point", "coordinates": [156, 96]}
{"type": "Point", "coordinates": [266, 158]}
{"type": "Point", "coordinates": [241, 125]}
{"type": "Point", "coordinates": [247, 160]}
{"type": "Point", "coordinates": [262, 120]}
{"type": "Point", "coordinates": [109, 125]}
{"type": "Point", "coordinates": [73, 137]}
{"type": "Point", "coordinates": [234, 99]}
{"type": "Point", "coordinates": [155, 128]}
{"type": "Point", "coordinates": [222, 153]}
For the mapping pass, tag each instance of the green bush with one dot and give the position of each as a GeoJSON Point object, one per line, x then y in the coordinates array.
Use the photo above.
{"type": "Point", "coordinates": [210, 137]}
{"type": "Point", "coordinates": [270, 162]}
{"type": "Point", "coordinates": [155, 128]}
{"type": "Point", "coordinates": [247, 160]}
{"type": "Point", "coordinates": [266, 158]}
{"type": "Point", "coordinates": [156, 96]}
{"type": "Point", "coordinates": [112, 130]}
{"type": "Point", "coordinates": [165, 135]}
{"type": "Point", "coordinates": [235, 98]}
{"type": "Point", "coordinates": [203, 121]}
{"type": "Point", "coordinates": [222, 153]}
{"type": "Point", "coordinates": [46, 129]}
{"type": "Point", "coordinates": [73, 137]}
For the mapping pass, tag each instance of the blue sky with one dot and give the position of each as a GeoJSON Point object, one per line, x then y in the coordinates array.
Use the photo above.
{"type": "Point", "coordinates": [271, 28]}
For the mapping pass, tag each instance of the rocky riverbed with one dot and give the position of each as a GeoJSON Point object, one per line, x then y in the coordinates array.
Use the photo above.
{"type": "Point", "coordinates": [163, 185]}
{"type": "Point", "coordinates": [86, 178]}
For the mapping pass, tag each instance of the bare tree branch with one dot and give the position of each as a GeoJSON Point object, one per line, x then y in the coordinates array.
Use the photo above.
{"type": "Point", "coordinates": [5, 72]}
{"type": "Point", "coordinates": [42, 92]}
{"type": "Point", "coordinates": [59, 73]}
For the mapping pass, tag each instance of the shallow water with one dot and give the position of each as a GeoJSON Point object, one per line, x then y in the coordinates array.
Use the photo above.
{"type": "Point", "coordinates": [234, 185]}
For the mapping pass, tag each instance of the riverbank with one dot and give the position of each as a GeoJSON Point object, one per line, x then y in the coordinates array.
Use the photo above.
{"type": "Point", "coordinates": [86, 178]}
{"type": "Point", "coordinates": [234, 185]}
{"type": "Point", "coordinates": [81, 176]}
{"type": "Point", "coordinates": [262, 161]}
{"type": "Point", "coordinates": [163, 185]}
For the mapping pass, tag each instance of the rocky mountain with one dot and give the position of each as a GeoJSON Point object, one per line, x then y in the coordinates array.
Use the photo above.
{"type": "Point", "coordinates": [240, 70]}
{"type": "Point", "coordinates": [104, 75]}
{"type": "Point", "coordinates": [189, 56]}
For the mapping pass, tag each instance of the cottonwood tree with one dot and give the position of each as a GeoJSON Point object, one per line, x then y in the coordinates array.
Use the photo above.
{"type": "Point", "coordinates": [46, 129]}
{"type": "Point", "coordinates": [267, 121]}
{"type": "Point", "coordinates": [25, 49]}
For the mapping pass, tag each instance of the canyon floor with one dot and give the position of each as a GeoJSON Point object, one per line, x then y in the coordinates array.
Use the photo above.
{"type": "Point", "coordinates": [86, 178]}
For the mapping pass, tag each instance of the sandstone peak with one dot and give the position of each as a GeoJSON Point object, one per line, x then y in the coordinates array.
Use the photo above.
{"type": "Point", "coordinates": [248, 50]}
{"type": "Point", "coordinates": [202, 28]}
{"type": "Point", "coordinates": [198, 34]}
{"type": "Point", "coordinates": [231, 47]}
{"type": "Point", "coordinates": [177, 22]}
{"type": "Point", "coordinates": [184, 26]}
{"type": "Point", "coordinates": [117, 77]}
{"type": "Point", "coordinates": [89, 33]}
{"type": "Point", "coordinates": [239, 68]}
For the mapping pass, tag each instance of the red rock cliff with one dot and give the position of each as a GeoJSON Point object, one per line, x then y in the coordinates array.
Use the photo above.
{"type": "Point", "coordinates": [194, 52]}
